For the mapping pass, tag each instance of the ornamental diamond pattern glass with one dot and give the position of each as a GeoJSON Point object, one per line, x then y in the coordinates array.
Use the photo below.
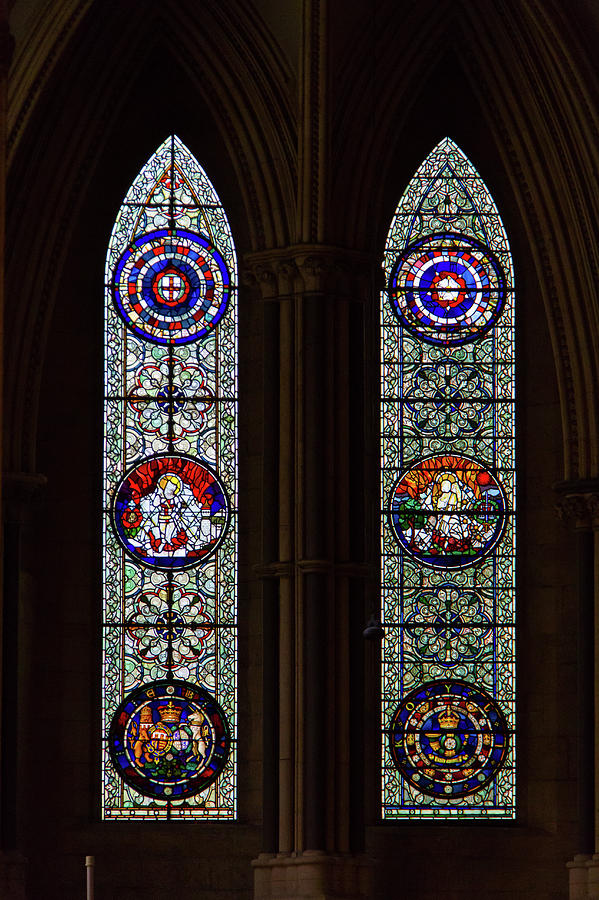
{"type": "Point", "coordinates": [448, 500]}
{"type": "Point", "coordinates": [170, 500]}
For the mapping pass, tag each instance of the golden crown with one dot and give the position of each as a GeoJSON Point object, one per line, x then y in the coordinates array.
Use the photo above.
{"type": "Point", "coordinates": [170, 713]}
{"type": "Point", "coordinates": [449, 719]}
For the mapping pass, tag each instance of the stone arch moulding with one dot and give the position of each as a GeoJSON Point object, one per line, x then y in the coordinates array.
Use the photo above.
{"type": "Point", "coordinates": [87, 112]}
{"type": "Point", "coordinates": [526, 69]}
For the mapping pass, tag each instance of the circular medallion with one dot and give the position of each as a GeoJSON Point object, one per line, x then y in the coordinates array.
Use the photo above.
{"type": "Point", "coordinates": [447, 289]}
{"type": "Point", "coordinates": [169, 739]}
{"type": "Point", "coordinates": [448, 738]}
{"type": "Point", "coordinates": [447, 511]}
{"type": "Point", "coordinates": [171, 286]}
{"type": "Point", "coordinates": [170, 512]}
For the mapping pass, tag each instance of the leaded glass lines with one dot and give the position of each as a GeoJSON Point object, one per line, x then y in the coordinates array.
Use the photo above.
{"type": "Point", "coordinates": [170, 500]}
{"type": "Point", "coordinates": [448, 500]}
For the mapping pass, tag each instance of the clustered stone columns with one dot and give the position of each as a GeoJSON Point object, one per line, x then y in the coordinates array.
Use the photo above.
{"type": "Point", "coordinates": [578, 505]}
{"type": "Point", "coordinates": [313, 299]}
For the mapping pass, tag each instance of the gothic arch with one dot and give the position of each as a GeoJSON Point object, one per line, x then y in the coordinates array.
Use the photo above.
{"type": "Point", "coordinates": [320, 158]}
{"type": "Point", "coordinates": [248, 121]}
{"type": "Point", "coordinates": [527, 73]}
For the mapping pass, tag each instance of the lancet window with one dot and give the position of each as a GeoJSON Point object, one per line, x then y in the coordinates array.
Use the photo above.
{"type": "Point", "coordinates": [170, 499]}
{"type": "Point", "coordinates": [448, 500]}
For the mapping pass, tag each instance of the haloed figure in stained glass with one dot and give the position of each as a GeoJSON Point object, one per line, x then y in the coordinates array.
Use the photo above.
{"type": "Point", "coordinates": [170, 518]}
{"type": "Point", "coordinates": [447, 511]}
{"type": "Point", "coordinates": [164, 523]}
{"type": "Point", "coordinates": [445, 496]}
{"type": "Point", "coordinates": [171, 512]}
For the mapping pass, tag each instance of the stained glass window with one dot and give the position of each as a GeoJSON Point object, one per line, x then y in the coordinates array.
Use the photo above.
{"type": "Point", "coordinates": [170, 499]}
{"type": "Point", "coordinates": [448, 482]}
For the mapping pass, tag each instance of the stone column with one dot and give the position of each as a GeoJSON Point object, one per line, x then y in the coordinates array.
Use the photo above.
{"type": "Point", "coordinates": [579, 506]}
{"type": "Point", "coordinates": [319, 293]}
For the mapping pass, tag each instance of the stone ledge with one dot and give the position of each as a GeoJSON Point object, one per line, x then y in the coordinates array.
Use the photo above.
{"type": "Point", "coordinates": [313, 874]}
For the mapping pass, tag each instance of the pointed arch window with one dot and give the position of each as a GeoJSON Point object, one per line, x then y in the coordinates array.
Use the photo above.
{"type": "Point", "coordinates": [448, 500]}
{"type": "Point", "coordinates": [170, 499]}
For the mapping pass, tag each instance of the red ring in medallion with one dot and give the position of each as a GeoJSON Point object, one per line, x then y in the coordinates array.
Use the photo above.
{"type": "Point", "coordinates": [454, 285]}
{"type": "Point", "coordinates": [170, 286]}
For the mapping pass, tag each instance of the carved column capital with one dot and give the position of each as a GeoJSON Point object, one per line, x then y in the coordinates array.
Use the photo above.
{"type": "Point", "coordinates": [271, 274]}
{"type": "Point", "coordinates": [310, 269]}
{"type": "Point", "coordinates": [578, 503]}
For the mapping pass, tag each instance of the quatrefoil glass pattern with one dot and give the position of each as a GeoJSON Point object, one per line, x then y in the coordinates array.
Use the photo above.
{"type": "Point", "coordinates": [447, 400]}
{"type": "Point", "coordinates": [170, 630]}
{"type": "Point", "coordinates": [449, 626]}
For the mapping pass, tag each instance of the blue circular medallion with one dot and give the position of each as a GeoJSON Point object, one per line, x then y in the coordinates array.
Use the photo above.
{"type": "Point", "coordinates": [448, 738]}
{"type": "Point", "coordinates": [171, 286]}
{"type": "Point", "coordinates": [169, 739]}
{"type": "Point", "coordinates": [447, 289]}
